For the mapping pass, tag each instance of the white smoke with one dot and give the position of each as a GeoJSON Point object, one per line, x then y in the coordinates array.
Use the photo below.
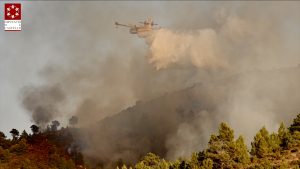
{"type": "Point", "coordinates": [204, 48]}
{"type": "Point", "coordinates": [198, 48]}
{"type": "Point", "coordinates": [238, 45]}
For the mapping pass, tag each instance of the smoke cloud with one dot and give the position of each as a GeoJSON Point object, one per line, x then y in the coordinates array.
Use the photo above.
{"type": "Point", "coordinates": [166, 93]}
{"type": "Point", "coordinates": [198, 48]}
{"type": "Point", "coordinates": [43, 102]}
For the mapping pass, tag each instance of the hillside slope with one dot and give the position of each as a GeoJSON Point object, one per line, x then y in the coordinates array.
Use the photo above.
{"type": "Point", "coordinates": [178, 123]}
{"type": "Point", "coordinates": [43, 150]}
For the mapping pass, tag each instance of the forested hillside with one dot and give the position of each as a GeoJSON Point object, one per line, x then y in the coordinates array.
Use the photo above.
{"type": "Point", "coordinates": [268, 150]}
{"type": "Point", "coordinates": [50, 148]}
{"type": "Point", "coordinates": [56, 149]}
{"type": "Point", "coordinates": [178, 123]}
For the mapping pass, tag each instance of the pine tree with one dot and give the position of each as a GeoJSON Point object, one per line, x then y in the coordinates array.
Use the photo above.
{"type": "Point", "coordinates": [175, 164]}
{"type": "Point", "coordinates": [24, 135]}
{"type": "Point", "coordinates": [152, 161]}
{"type": "Point", "coordinates": [296, 124]}
{"type": "Point", "coordinates": [274, 142]}
{"type": "Point", "coordinates": [281, 130]}
{"type": "Point", "coordinates": [295, 132]}
{"type": "Point", "coordinates": [184, 165]}
{"type": "Point", "coordinates": [221, 148]}
{"type": "Point", "coordinates": [241, 151]}
{"type": "Point", "coordinates": [14, 133]}
{"type": "Point", "coordinates": [35, 129]}
{"type": "Point", "coordinates": [4, 143]}
{"type": "Point", "coordinates": [225, 133]}
{"type": "Point", "coordinates": [2, 139]}
{"type": "Point", "coordinates": [194, 162]}
{"type": "Point", "coordinates": [2, 135]}
{"type": "Point", "coordinates": [295, 139]}
{"type": "Point", "coordinates": [260, 144]}
{"type": "Point", "coordinates": [284, 136]}
{"type": "Point", "coordinates": [207, 164]}
{"type": "Point", "coordinates": [265, 134]}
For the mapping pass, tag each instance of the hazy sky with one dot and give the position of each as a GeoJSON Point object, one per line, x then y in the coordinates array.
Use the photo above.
{"type": "Point", "coordinates": [51, 29]}
{"type": "Point", "coordinates": [44, 33]}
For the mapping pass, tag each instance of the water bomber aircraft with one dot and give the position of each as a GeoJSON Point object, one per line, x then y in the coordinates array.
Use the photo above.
{"type": "Point", "coordinates": [143, 27]}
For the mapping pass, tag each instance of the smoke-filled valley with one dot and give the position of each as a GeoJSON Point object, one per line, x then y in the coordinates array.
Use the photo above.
{"type": "Point", "coordinates": [178, 123]}
{"type": "Point", "coordinates": [167, 92]}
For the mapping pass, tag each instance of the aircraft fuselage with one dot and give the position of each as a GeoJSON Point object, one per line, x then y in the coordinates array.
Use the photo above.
{"type": "Point", "coordinates": [136, 30]}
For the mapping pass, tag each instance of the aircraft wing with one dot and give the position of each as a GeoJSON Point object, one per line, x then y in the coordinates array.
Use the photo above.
{"type": "Point", "coordinates": [119, 24]}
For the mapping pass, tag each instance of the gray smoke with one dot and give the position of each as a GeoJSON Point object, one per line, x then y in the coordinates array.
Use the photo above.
{"type": "Point", "coordinates": [179, 123]}
{"type": "Point", "coordinates": [135, 95]}
{"type": "Point", "coordinates": [43, 102]}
